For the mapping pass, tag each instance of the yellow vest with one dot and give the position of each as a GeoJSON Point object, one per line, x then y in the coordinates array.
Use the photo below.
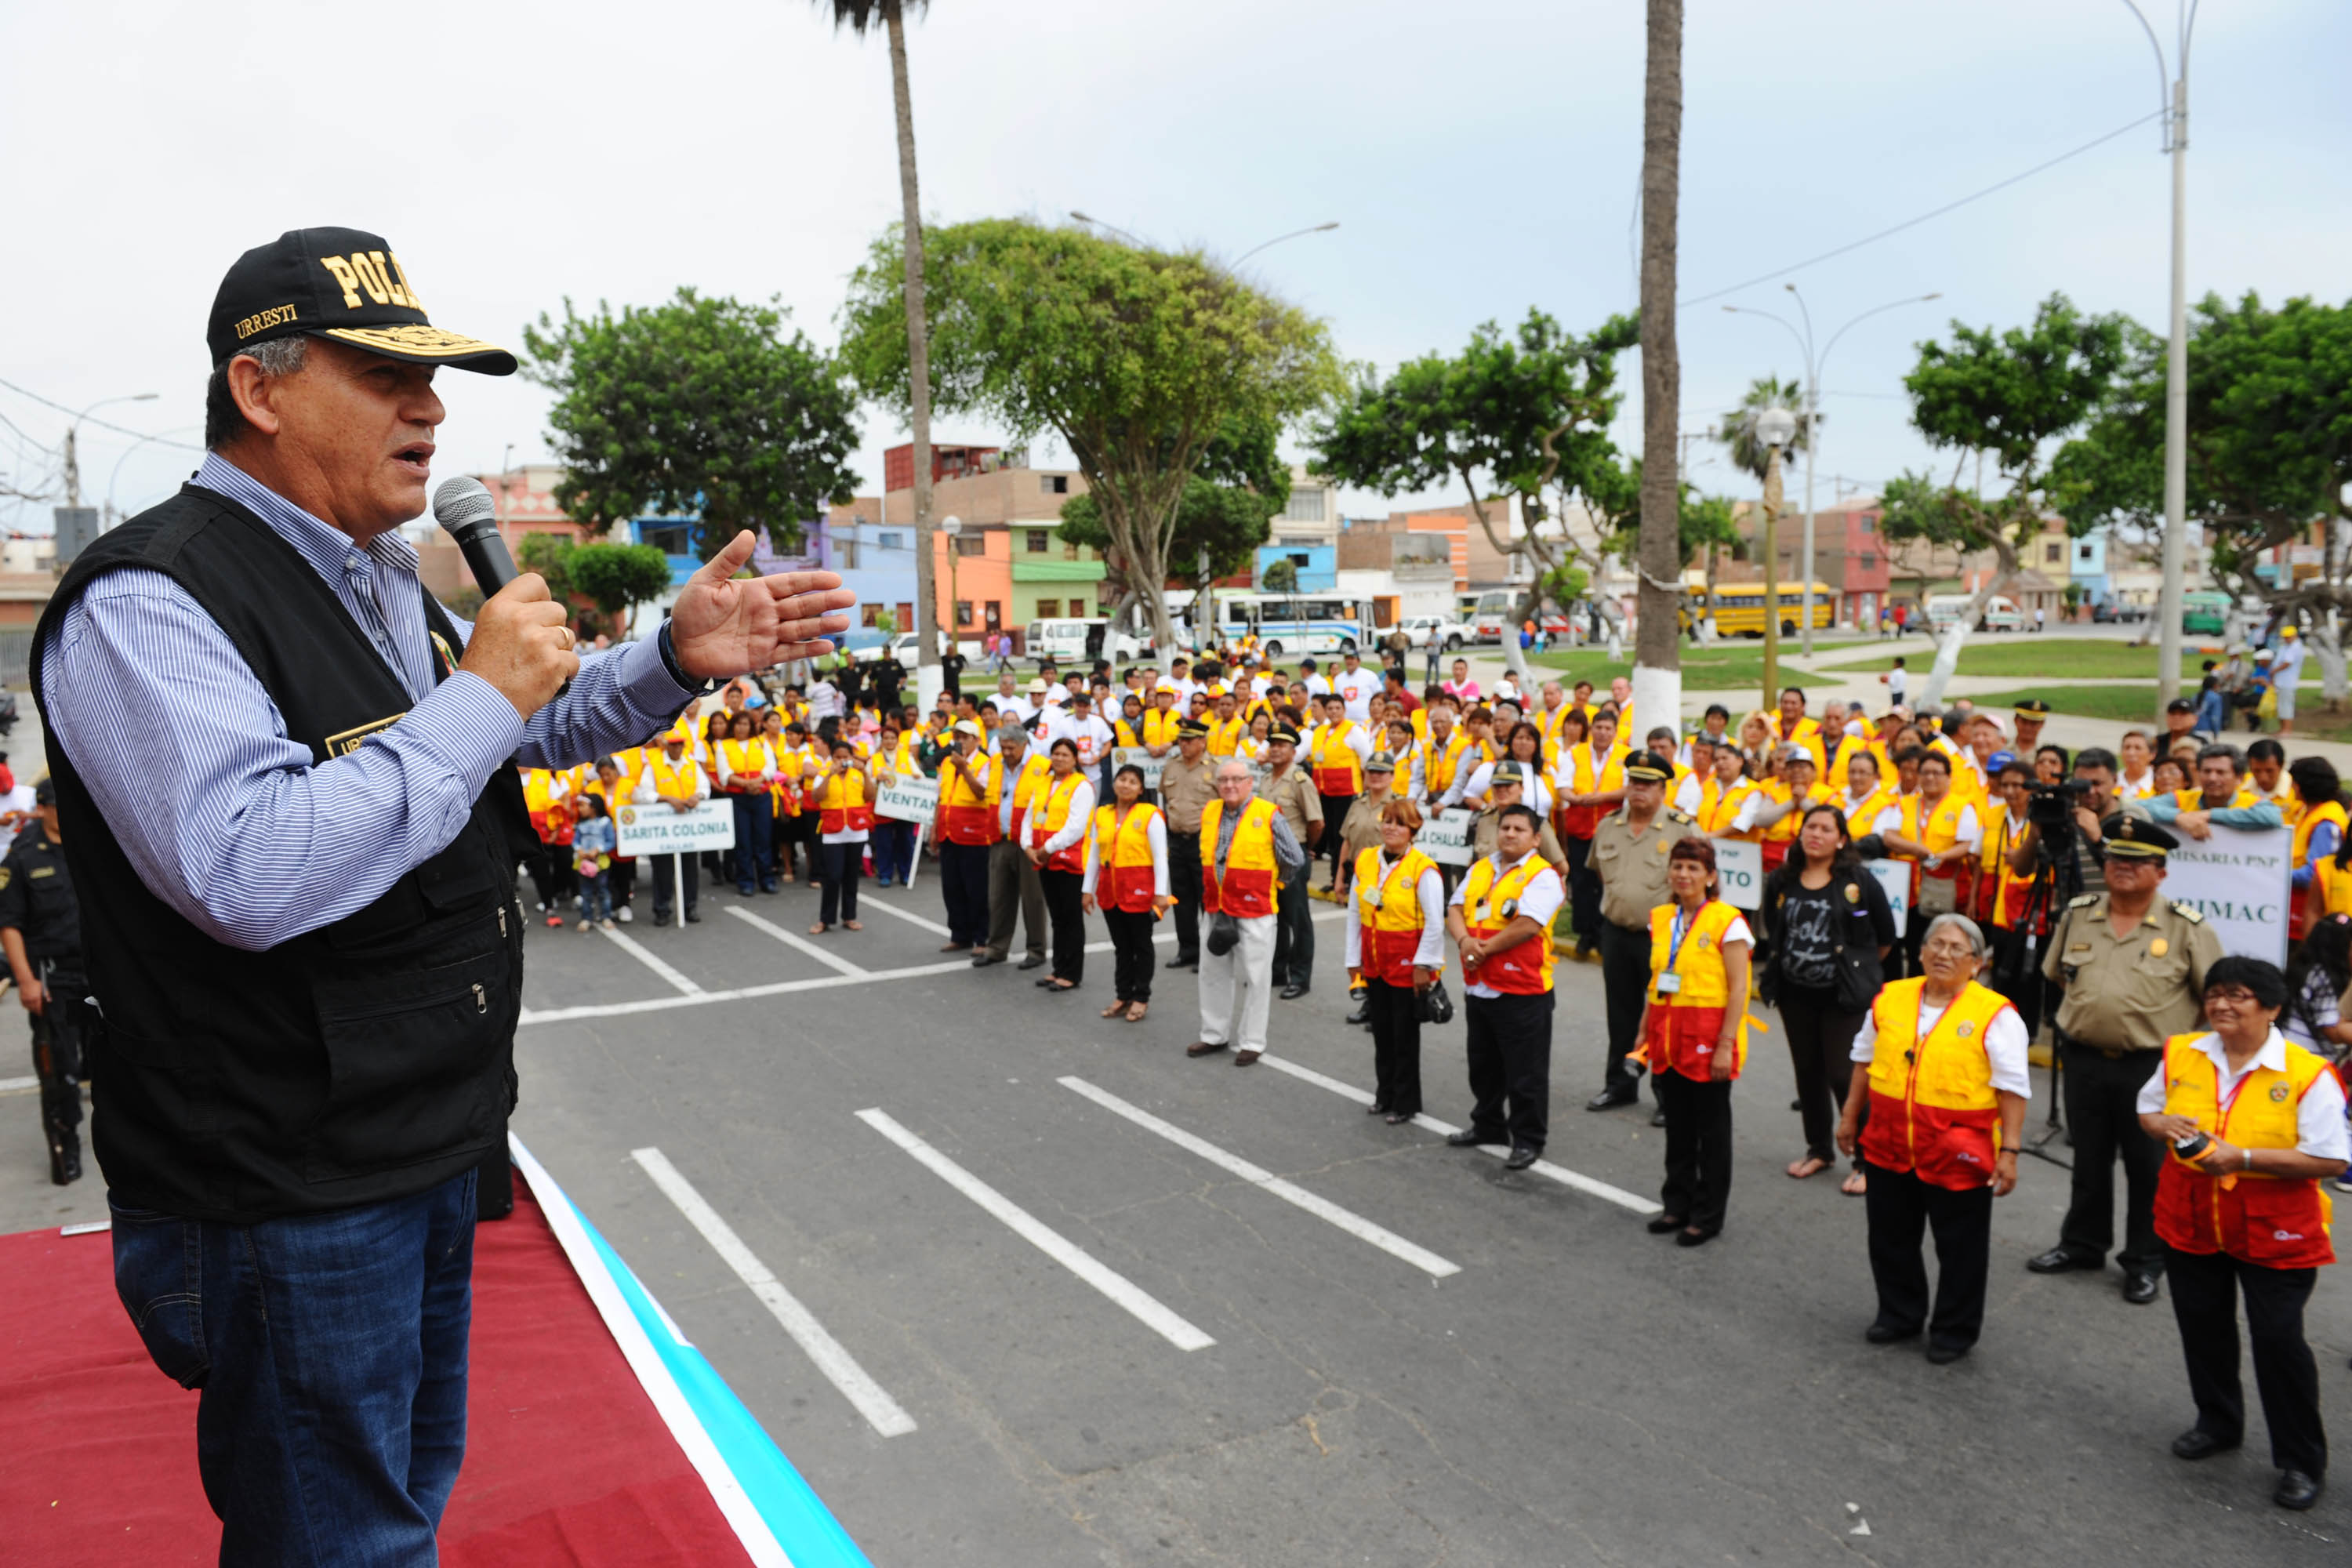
{"type": "Point", "coordinates": [1248, 889]}
{"type": "Point", "coordinates": [1333, 762]}
{"type": "Point", "coordinates": [2280, 1222]}
{"type": "Point", "coordinates": [1490, 902]}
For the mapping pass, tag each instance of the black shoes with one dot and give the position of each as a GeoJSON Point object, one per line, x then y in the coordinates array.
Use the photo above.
{"type": "Point", "coordinates": [1658, 1117]}
{"type": "Point", "coordinates": [1888, 1333]}
{"type": "Point", "coordinates": [983, 960]}
{"type": "Point", "coordinates": [1521, 1158]}
{"type": "Point", "coordinates": [1689, 1237]}
{"type": "Point", "coordinates": [1399, 1118]}
{"type": "Point", "coordinates": [1183, 961]}
{"type": "Point", "coordinates": [2297, 1490]}
{"type": "Point", "coordinates": [1376, 1109]}
{"type": "Point", "coordinates": [1032, 961]}
{"type": "Point", "coordinates": [1610, 1098]}
{"type": "Point", "coordinates": [1666, 1224]}
{"type": "Point", "coordinates": [660, 921]}
{"type": "Point", "coordinates": [65, 1159]}
{"type": "Point", "coordinates": [1470, 1137]}
{"type": "Point", "coordinates": [1945, 1355]}
{"type": "Point", "coordinates": [692, 919]}
{"type": "Point", "coordinates": [2139, 1288]}
{"type": "Point", "coordinates": [2059, 1260]}
{"type": "Point", "coordinates": [1294, 991]}
{"type": "Point", "coordinates": [2198, 1444]}
{"type": "Point", "coordinates": [1361, 1016]}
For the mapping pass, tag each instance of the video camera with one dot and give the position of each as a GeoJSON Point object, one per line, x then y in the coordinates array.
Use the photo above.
{"type": "Point", "coordinates": [2051, 807]}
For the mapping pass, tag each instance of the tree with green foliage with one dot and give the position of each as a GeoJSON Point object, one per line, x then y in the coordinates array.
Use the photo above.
{"type": "Point", "coordinates": [617, 578]}
{"type": "Point", "coordinates": [1509, 417]}
{"type": "Point", "coordinates": [1138, 359]}
{"type": "Point", "coordinates": [696, 407]}
{"type": "Point", "coordinates": [2270, 453]}
{"type": "Point", "coordinates": [549, 555]}
{"type": "Point", "coordinates": [2007, 396]}
{"type": "Point", "coordinates": [1279, 576]}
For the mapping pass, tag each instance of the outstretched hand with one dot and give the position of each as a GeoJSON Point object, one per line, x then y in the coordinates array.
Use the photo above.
{"type": "Point", "coordinates": [722, 627]}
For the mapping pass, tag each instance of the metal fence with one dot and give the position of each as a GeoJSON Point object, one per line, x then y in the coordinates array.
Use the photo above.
{"type": "Point", "coordinates": [16, 658]}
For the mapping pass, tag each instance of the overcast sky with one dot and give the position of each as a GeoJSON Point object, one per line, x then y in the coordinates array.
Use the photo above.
{"type": "Point", "coordinates": [1481, 158]}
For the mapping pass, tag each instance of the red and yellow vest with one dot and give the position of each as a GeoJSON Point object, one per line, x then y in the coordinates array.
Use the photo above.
{"type": "Point", "coordinates": [2311, 901]}
{"type": "Point", "coordinates": [1440, 763]}
{"type": "Point", "coordinates": [1719, 803]}
{"type": "Point", "coordinates": [1490, 902]}
{"type": "Point", "coordinates": [844, 804]}
{"type": "Point", "coordinates": [1123, 873]}
{"type": "Point", "coordinates": [674, 781]}
{"type": "Point", "coordinates": [1225, 736]}
{"type": "Point", "coordinates": [789, 761]}
{"type": "Point", "coordinates": [1859, 818]}
{"type": "Point", "coordinates": [1933, 1111]}
{"type": "Point", "coordinates": [1685, 1024]}
{"type": "Point", "coordinates": [1389, 915]}
{"type": "Point", "coordinates": [1036, 767]}
{"type": "Point", "coordinates": [1937, 829]}
{"type": "Point", "coordinates": [2279, 1222]}
{"type": "Point", "coordinates": [1333, 762]}
{"type": "Point", "coordinates": [1053, 798]}
{"type": "Point", "coordinates": [1247, 889]}
{"type": "Point", "coordinates": [1577, 774]}
{"type": "Point", "coordinates": [744, 757]}
{"type": "Point", "coordinates": [967, 815]}
{"type": "Point", "coordinates": [1159, 726]}
{"type": "Point", "coordinates": [1784, 831]}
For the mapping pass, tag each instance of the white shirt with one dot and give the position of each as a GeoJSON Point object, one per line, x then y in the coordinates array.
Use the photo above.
{"type": "Point", "coordinates": [1690, 790]}
{"type": "Point", "coordinates": [645, 795]}
{"type": "Point", "coordinates": [1896, 682]}
{"type": "Point", "coordinates": [1430, 890]}
{"type": "Point", "coordinates": [2287, 662]}
{"type": "Point", "coordinates": [1014, 707]}
{"type": "Point", "coordinates": [1539, 900]}
{"type": "Point", "coordinates": [1968, 833]}
{"type": "Point", "coordinates": [1476, 781]}
{"type": "Point", "coordinates": [1317, 685]}
{"type": "Point", "coordinates": [1075, 826]}
{"type": "Point", "coordinates": [1359, 685]}
{"type": "Point", "coordinates": [1090, 735]}
{"type": "Point", "coordinates": [2004, 1046]}
{"type": "Point", "coordinates": [823, 701]}
{"type": "Point", "coordinates": [1157, 832]}
{"type": "Point", "coordinates": [2319, 1127]}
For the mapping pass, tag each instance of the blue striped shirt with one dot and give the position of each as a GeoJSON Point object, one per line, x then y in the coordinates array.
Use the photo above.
{"type": "Point", "coordinates": [223, 816]}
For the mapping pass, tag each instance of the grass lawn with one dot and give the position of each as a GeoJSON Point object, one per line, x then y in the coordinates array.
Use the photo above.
{"type": "Point", "coordinates": [2129, 705]}
{"type": "Point", "coordinates": [2096, 658]}
{"type": "Point", "coordinates": [1704, 669]}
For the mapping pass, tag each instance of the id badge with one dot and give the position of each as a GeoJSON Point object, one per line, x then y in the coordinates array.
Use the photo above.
{"type": "Point", "coordinates": [1669, 984]}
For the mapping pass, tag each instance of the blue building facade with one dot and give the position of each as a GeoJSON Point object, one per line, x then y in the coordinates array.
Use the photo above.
{"type": "Point", "coordinates": [1318, 565]}
{"type": "Point", "coordinates": [2088, 567]}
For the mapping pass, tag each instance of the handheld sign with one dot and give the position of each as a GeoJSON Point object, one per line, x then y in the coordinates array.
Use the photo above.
{"type": "Point", "coordinates": [908, 799]}
{"type": "Point", "coordinates": [1740, 872]}
{"type": "Point", "coordinates": [2239, 880]}
{"type": "Point", "coordinates": [1895, 876]}
{"type": "Point", "coordinates": [656, 829]}
{"type": "Point", "coordinates": [1444, 837]}
{"type": "Point", "coordinates": [1138, 757]}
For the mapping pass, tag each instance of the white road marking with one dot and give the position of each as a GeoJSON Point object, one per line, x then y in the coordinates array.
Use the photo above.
{"type": "Point", "coordinates": [795, 940]}
{"type": "Point", "coordinates": [1561, 1173]}
{"type": "Point", "coordinates": [1355, 1224]}
{"type": "Point", "coordinates": [887, 908]}
{"type": "Point", "coordinates": [882, 1413]}
{"type": "Point", "coordinates": [660, 966]}
{"type": "Point", "coordinates": [18, 1084]}
{"type": "Point", "coordinates": [740, 994]}
{"type": "Point", "coordinates": [1121, 1290]}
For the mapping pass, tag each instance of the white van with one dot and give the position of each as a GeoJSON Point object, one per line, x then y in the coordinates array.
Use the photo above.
{"type": "Point", "coordinates": [2000, 613]}
{"type": "Point", "coordinates": [1065, 640]}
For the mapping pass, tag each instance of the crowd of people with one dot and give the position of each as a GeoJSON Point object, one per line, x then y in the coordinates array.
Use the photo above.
{"type": "Point", "coordinates": [1935, 890]}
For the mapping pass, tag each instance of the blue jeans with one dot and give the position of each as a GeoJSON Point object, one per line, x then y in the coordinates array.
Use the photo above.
{"type": "Point", "coordinates": [754, 815]}
{"type": "Point", "coordinates": [331, 1353]}
{"type": "Point", "coordinates": [894, 850]}
{"type": "Point", "coordinates": [597, 897]}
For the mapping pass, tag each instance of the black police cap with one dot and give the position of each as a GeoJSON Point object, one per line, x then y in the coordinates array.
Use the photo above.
{"type": "Point", "coordinates": [340, 283]}
{"type": "Point", "coordinates": [2136, 838]}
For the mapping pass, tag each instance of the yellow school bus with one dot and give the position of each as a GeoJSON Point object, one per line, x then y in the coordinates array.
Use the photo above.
{"type": "Point", "coordinates": [1739, 609]}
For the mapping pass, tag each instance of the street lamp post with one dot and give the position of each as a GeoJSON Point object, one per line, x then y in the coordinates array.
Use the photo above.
{"type": "Point", "coordinates": [2173, 96]}
{"type": "Point", "coordinates": [73, 459]}
{"type": "Point", "coordinates": [1774, 427]}
{"type": "Point", "coordinates": [1813, 426]}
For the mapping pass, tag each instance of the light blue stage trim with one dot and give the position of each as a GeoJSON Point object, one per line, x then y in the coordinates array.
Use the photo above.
{"type": "Point", "coordinates": [802, 1524]}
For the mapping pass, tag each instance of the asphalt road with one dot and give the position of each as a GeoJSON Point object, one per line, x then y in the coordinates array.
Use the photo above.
{"type": "Point", "coordinates": [1415, 1356]}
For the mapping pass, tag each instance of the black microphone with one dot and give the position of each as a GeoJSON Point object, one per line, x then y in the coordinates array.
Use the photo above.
{"type": "Point", "coordinates": [466, 512]}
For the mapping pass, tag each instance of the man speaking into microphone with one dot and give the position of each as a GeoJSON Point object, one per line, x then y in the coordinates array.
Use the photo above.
{"type": "Point", "coordinates": [283, 774]}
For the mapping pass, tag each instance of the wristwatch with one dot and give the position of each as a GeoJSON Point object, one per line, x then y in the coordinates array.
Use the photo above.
{"type": "Point", "coordinates": [669, 648]}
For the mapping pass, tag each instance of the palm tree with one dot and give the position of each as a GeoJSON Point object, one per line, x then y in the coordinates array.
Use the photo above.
{"type": "Point", "coordinates": [1738, 427]}
{"type": "Point", "coordinates": [859, 16]}
{"type": "Point", "coordinates": [1660, 551]}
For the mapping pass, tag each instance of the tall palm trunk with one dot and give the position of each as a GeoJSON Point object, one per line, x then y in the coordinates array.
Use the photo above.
{"type": "Point", "coordinates": [1657, 660]}
{"type": "Point", "coordinates": [928, 677]}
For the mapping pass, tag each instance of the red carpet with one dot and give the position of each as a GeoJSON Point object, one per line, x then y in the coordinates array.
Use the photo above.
{"type": "Point", "coordinates": [566, 1460]}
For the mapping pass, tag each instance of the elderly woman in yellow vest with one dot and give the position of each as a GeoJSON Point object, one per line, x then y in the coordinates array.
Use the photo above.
{"type": "Point", "coordinates": [1941, 1067]}
{"type": "Point", "coordinates": [2255, 1123]}
{"type": "Point", "coordinates": [1695, 1035]}
{"type": "Point", "coordinates": [1059, 814]}
{"type": "Point", "coordinates": [1937, 831]}
{"type": "Point", "coordinates": [1396, 923]}
{"type": "Point", "coordinates": [1127, 879]}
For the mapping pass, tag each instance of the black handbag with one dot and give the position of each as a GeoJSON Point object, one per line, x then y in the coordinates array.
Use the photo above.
{"type": "Point", "coordinates": [1433, 1005]}
{"type": "Point", "coordinates": [1223, 933]}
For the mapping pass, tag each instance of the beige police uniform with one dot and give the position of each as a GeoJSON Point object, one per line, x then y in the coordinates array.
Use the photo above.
{"type": "Point", "coordinates": [1185, 790]}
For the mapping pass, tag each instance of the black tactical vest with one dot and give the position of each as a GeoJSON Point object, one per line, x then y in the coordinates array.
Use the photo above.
{"type": "Point", "coordinates": [369, 1059]}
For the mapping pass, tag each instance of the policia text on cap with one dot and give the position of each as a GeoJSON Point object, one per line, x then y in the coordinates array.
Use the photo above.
{"type": "Point", "coordinates": [285, 775]}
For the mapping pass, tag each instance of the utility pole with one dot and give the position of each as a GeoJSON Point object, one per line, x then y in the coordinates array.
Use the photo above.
{"type": "Point", "coordinates": [73, 469]}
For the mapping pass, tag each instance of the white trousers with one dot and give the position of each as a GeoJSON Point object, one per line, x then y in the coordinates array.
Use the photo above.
{"type": "Point", "coordinates": [1250, 967]}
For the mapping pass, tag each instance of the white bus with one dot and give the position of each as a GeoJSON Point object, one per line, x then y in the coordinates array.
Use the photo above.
{"type": "Point", "coordinates": [1287, 626]}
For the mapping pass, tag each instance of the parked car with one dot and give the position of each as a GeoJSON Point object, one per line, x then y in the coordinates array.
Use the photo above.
{"type": "Point", "coordinates": [902, 648]}
{"type": "Point", "coordinates": [1425, 630]}
{"type": "Point", "coordinates": [1065, 640]}
{"type": "Point", "coordinates": [2000, 613]}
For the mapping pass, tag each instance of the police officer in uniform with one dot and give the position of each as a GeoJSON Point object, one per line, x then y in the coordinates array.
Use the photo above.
{"type": "Point", "coordinates": [2131, 964]}
{"type": "Point", "coordinates": [1630, 848]}
{"type": "Point", "coordinates": [41, 930]}
{"type": "Point", "coordinates": [1188, 783]}
{"type": "Point", "coordinates": [1506, 789]}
